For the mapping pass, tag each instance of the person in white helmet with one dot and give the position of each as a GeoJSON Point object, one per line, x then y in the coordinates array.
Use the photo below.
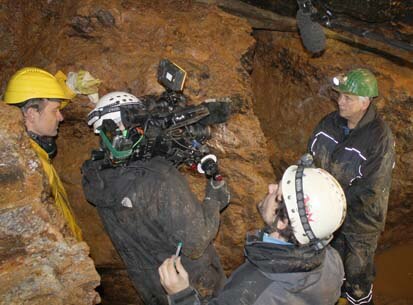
{"type": "Point", "coordinates": [108, 108]}
{"type": "Point", "coordinates": [148, 208]}
{"type": "Point", "coordinates": [289, 261]}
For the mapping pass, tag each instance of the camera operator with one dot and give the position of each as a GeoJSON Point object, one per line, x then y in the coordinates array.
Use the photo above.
{"type": "Point", "coordinates": [148, 209]}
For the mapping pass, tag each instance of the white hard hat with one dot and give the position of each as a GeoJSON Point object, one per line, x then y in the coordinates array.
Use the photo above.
{"type": "Point", "coordinates": [315, 201]}
{"type": "Point", "coordinates": [108, 107]}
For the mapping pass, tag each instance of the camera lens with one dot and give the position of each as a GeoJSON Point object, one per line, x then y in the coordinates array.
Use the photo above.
{"type": "Point", "coordinates": [199, 132]}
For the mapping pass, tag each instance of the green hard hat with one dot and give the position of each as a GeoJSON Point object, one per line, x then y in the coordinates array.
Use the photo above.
{"type": "Point", "coordinates": [360, 82]}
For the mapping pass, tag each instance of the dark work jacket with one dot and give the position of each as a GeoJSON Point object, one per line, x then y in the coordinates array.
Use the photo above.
{"type": "Point", "coordinates": [278, 275]}
{"type": "Point", "coordinates": [147, 208]}
{"type": "Point", "coordinates": [362, 162]}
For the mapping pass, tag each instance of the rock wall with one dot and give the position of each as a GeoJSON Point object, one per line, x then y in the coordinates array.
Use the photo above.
{"type": "Point", "coordinates": [121, 43]}
{"type": "Point", "coordinates": [214, 48]}
{"type": "Point", "coordinates": [297, 90]}
{"type": "Point", "coordinates": [39, 261]}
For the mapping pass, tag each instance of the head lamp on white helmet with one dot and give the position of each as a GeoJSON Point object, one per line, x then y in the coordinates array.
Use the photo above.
{"type": "Point", "coordinates": [316, 204]}
{"type": "Point", "coordinates": [108, 107]}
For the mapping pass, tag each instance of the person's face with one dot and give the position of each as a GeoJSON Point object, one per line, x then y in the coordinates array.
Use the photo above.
{"type": "Point", "coordinates": [46, 122]}
{"type": "Point", "coordinates": [269, 204]}
{"type": "Point", "coordinates": [351, 107]}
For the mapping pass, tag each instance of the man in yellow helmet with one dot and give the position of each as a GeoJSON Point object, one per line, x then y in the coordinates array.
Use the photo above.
{"type": "Point", "coordinates": [41, 96]}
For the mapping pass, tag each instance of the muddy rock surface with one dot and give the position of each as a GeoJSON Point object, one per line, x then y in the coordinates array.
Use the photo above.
{"type": "Point", "coordinates": [121, 44]}
{"type": "Point", "coordinates": [40, 262]}
{"type": "Point", "coordinates": [276, 90]}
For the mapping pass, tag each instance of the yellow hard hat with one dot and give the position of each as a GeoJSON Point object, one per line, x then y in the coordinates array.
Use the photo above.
{"type": "Point", "coordinates": [30, 82]}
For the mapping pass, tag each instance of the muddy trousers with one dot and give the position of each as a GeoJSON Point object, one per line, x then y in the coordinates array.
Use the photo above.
{"type": "Point", "coordinates": [357, 252]}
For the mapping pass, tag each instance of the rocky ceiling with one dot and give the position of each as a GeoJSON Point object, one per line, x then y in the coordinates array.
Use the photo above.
{"type": "Point", "coordinates": [382, 27]}
{"type": "Point", "coordinates": [376, 11]}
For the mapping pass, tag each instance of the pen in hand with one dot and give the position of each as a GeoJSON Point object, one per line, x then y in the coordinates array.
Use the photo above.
{"type": "Point", "coordinates": [178, 252]}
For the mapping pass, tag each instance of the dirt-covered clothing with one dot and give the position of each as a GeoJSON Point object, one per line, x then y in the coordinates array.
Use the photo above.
{"type": "Point", "coordinates": [278, 274]}
{"type": "Point", "coordinates": [148, 208]}
{"type": "Point", "coordinates": [357, 252]}
{"type": "Point", "coordinates": [362, 160]}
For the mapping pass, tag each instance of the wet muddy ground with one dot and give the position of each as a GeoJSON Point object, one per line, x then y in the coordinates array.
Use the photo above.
{"type": "Point", "coordinates": [394, 281]}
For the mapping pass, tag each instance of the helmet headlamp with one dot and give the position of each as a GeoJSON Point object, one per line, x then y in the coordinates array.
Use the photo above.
{"type": "Point", "coordinates": [339, 80]}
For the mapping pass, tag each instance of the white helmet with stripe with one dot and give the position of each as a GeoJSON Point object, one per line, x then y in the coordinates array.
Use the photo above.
{"type": "Point", "coordinates": [108, 107]}
{"type": "Point", "coordinates": [316, 204]}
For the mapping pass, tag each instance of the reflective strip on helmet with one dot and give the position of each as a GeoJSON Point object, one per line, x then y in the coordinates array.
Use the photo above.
{"type": "Point", "coordinates": [92, 120]}
{"type": "Point", "coordinates": [98, 113]}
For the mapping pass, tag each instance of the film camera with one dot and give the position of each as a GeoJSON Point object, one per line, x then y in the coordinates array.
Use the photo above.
{"type": "Point", "coordinates": [163, 125]}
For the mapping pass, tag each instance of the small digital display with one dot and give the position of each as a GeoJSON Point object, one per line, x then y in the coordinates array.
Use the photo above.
{"type": "Point", "coordinates": [171, 76]}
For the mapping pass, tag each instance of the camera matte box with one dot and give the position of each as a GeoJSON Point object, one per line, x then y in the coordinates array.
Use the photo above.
{"type": "Point", "coordinates": [170, 75]}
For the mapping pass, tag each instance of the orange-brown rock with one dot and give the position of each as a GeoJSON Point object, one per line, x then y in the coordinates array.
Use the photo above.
{"type": "Point", "coordinates": [39, 261]}
{"type": "Point", "coordinates": [121, 43]}
{"type": "Point", "coordinates": [212, 47]}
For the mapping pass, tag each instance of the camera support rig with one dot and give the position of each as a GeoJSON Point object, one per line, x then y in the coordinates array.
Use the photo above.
{"type": "Point", "coordinates": [163, 126]}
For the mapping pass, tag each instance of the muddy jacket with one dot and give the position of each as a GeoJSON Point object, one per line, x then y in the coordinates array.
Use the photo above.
{"type": "Point", "coordinates": [147, 208]}
{"type": "Point", "coordinates": [361, 160]}
{"type": "Point", "coordinates": [278, 275]}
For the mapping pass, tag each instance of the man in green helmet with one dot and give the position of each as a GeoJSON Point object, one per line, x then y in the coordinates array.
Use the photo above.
{"type": "Point", "coordinates": [356, 146]}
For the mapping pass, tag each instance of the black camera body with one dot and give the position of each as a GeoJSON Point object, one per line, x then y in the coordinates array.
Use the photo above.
{"type": "Point", "coordinates": [165, 126]}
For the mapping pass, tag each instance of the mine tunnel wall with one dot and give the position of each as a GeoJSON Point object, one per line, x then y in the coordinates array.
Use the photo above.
{"type": "Point", "coordinates": [277, 91]}
{"type": "Point", "coordinates": [105, 39]}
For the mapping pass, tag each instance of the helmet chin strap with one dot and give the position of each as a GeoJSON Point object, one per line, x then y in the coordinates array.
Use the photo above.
{"type": "Point", "coordinates": [48, 144]}
{"type": "Point", "coordinates": [272, 228]}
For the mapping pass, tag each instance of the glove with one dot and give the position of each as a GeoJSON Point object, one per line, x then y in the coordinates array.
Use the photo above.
{"type": "Point", "coordinates": [91, 174]}
{"type": "Point", "coordinates": [306, 160]}
{"type": "Point", "coordinates": [218, 191]}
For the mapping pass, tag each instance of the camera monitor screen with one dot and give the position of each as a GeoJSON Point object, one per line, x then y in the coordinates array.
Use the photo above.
{"type": "Point", "coordinates": [171, 76]}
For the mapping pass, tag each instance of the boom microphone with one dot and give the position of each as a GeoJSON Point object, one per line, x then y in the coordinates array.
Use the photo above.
{"type": "Point", "coordinates": [218, 113]}
{"type": "Point", "coordinates": [312, 34]}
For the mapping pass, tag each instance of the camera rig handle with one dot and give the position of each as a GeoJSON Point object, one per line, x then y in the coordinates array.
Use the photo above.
{"type": "Point", "coordinates": [209, 166]}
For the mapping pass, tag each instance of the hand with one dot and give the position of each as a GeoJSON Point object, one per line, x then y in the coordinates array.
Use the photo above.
{"type": "Point", "coordinates": [174, 277]}
{"type": "Point", "coordinates": [268, 205]}
{"type": "Point", "coordinates": [218, 190]}
{"type": "Point", "coordinates": [277, 188]}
